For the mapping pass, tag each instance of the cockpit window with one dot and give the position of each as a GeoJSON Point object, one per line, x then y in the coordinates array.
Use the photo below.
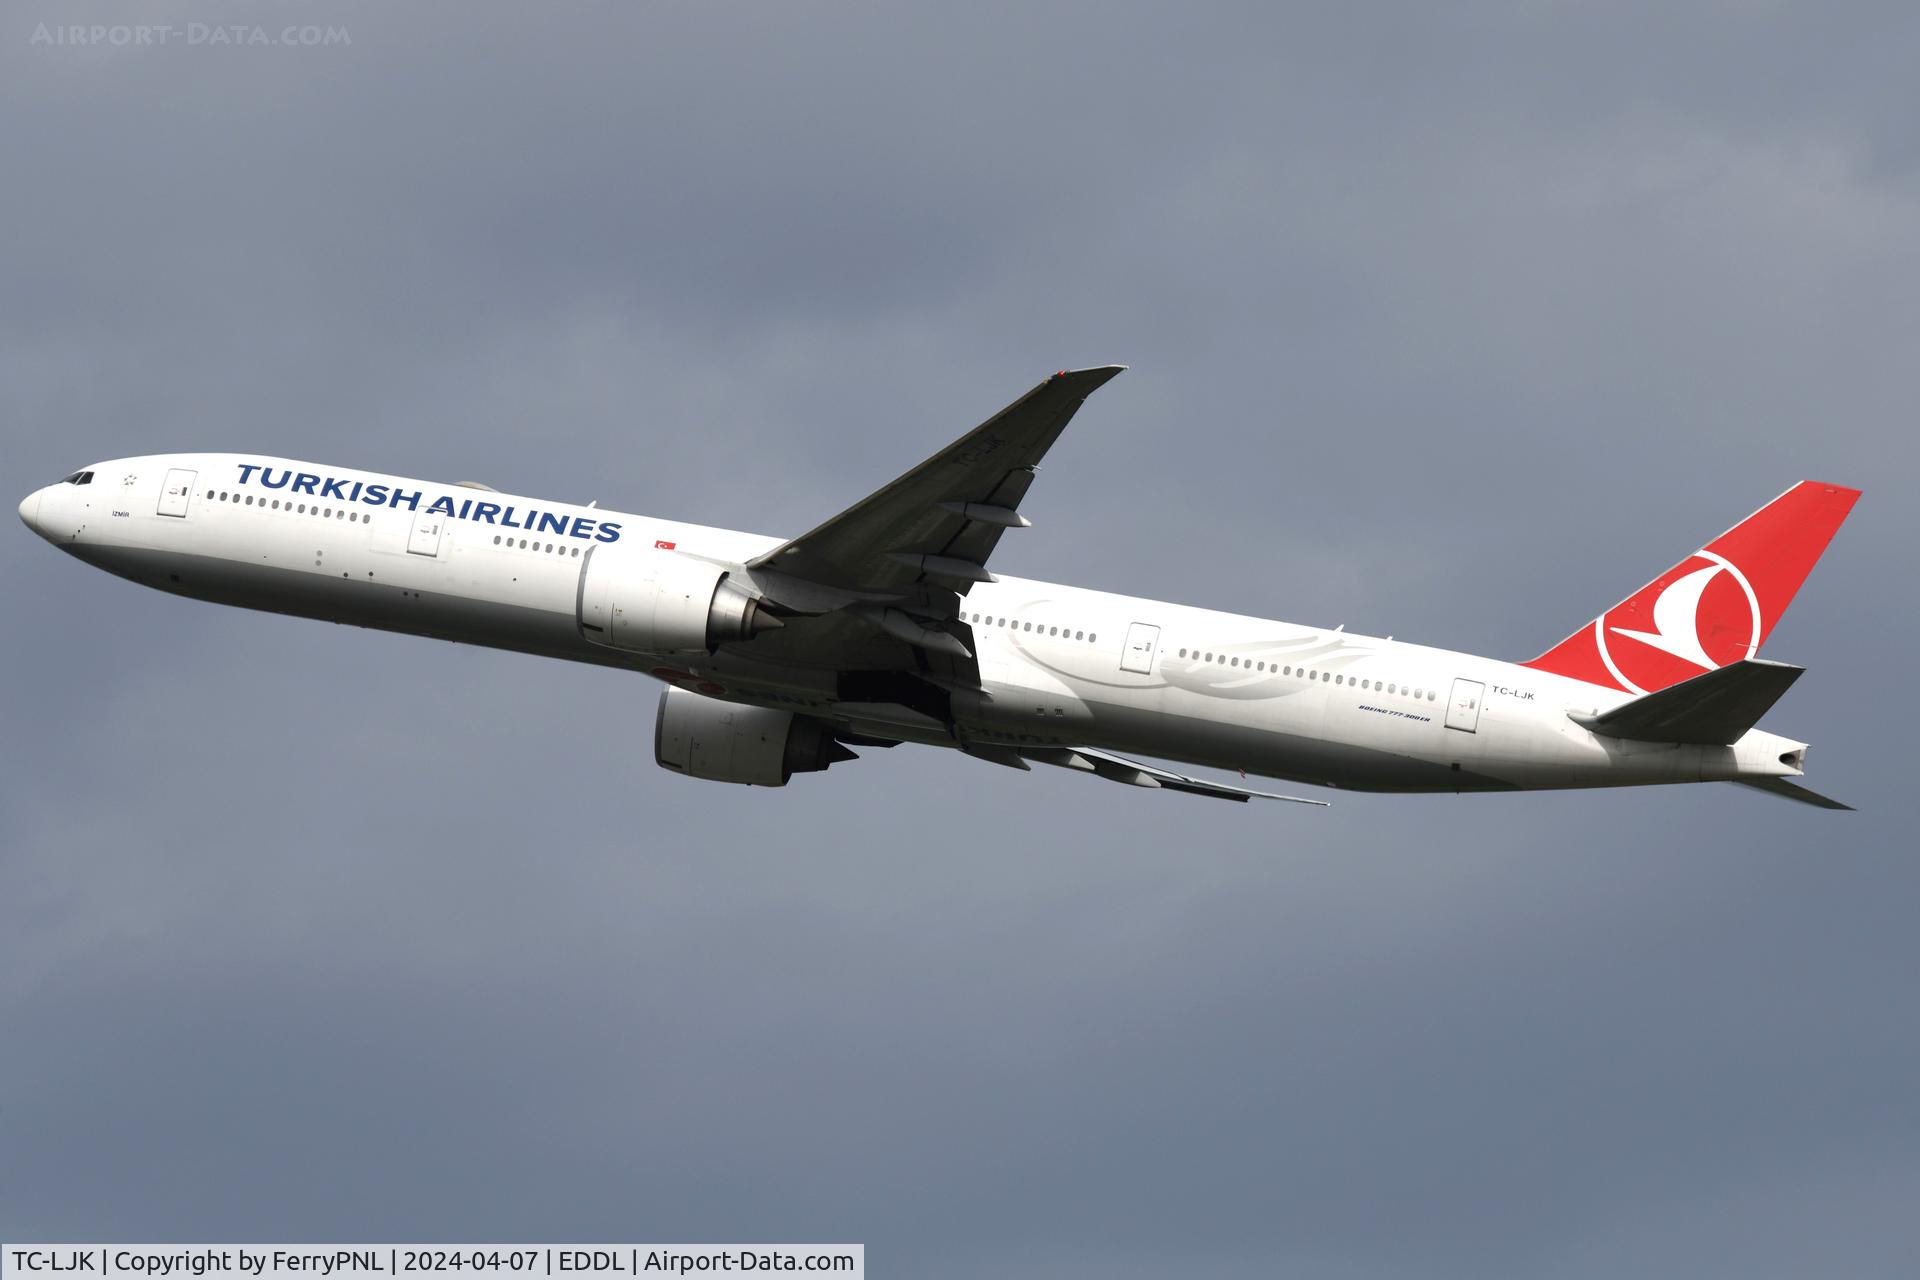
{"type": "Point", "coordinates": [79, 477]}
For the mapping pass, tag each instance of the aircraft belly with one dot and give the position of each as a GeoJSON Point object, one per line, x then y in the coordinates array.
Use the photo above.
{"type": "Point", "coordinates": [1274, 753]}
{"type": "Point", "coordinates": [355, 601]}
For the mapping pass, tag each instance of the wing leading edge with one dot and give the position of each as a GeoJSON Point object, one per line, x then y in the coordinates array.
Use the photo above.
{"type": "Point", "coordinates": [942, 520]}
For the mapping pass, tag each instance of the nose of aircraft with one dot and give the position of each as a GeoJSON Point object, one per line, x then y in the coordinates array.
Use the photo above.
{"type": "Point", "coordinates": [30, 510]}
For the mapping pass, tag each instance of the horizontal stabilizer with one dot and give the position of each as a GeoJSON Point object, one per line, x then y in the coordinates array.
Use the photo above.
{"type": "Point", "coordinates": [1793, 791]}
{"type": "Point", "coordinates": [1716, 708]}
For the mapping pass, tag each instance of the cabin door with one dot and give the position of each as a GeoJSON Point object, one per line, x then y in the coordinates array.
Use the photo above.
{"type": "Point", "coordinates": [425, 538]}
{"type": "Point", "coordinates": [177, 492]}
{"type": "Point", "coordinates": [1142, 639]}
{"type": "Point", "coordinates": [1463, 707]}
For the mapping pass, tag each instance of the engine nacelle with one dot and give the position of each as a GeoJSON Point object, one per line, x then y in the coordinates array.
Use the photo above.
{"type": "Point", "coordinates": [653, 601]}
{"type": "Point", "coordinates": [704, 737]}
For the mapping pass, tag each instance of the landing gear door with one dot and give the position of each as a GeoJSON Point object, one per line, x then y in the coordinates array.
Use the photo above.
{"type": "Point", "coordinates": [1142, 639]}
{"type": "Point", "coordinates": [425, 538]}
{"type": "Point", "coordinates": [1463, 706]}
{"type": "Point", "coordinates": [177, 491]}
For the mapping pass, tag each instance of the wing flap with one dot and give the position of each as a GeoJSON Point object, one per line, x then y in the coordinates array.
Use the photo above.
{"type": "Point", "coordinates": [1136, 773]}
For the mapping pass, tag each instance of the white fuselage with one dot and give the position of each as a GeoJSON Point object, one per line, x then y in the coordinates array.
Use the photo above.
{"type": "Point", "coordinates": [1058, 664]}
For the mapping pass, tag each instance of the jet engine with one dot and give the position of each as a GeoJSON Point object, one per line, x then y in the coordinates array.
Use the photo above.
{"type": "Point", "coordinates": [704, 737]}
{"type": "Point", "coordinates": [654, 601]}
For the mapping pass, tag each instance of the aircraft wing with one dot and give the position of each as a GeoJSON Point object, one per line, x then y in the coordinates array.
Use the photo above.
{"type": "Point", "coordinates": [939, 522]}
{"type": "Point", "coordinates": [1138, 773]}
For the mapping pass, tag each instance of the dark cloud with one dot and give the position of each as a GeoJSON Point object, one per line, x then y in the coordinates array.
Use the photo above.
{"type": "Point", "coordinates": [1451, 325]}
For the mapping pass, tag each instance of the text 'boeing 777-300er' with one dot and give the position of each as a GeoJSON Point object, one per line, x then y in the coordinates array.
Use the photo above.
{"type": "Point", "coordinates": [883, 625]}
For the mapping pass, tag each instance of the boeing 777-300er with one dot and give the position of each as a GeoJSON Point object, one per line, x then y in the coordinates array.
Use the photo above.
{"type": "Point", "coordinates": [883, 625]}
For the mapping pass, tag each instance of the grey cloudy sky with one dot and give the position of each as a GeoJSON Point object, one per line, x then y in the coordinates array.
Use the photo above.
{"type": "Point", "coordinates": [1454, 322]}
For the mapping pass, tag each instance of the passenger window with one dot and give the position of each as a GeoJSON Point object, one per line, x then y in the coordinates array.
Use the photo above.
{"type": "Point", "coordinates": [1092, 638]}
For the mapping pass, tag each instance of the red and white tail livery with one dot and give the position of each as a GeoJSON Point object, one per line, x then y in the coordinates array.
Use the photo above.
{"type": "Point", "coordinates": [883, 625]}
{"type": "Point", "coordinates": [1717, 606]}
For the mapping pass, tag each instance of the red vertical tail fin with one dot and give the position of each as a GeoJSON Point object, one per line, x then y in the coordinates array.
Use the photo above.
{"type": "Point", "coordinates": [1715, 607]}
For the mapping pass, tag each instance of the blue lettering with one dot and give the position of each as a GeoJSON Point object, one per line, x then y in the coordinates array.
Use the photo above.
{"type": "Point", "coordinates": [375, 496]}
{"type": "Point", "coordinates": [401, 498]}
{"type": "Point", "coordinates": [464, 508]}
{"type": "Point", "coordinates": [266, 478]}
{"type": "Point", "coordinates": [506, 518]}
{"type": "Point", "coordinates": [582, 528]}
{"type": "Point", "coordinates": [609, 532]}
{"type": "Point", "coordinates": [442, 504]}
{"type": "Point", "coordinates": [486, 511]}
{"type": "Point", "coordinates": [246, 469]}
{"type": "Point", "coordinates": [303, 483]}
{"type": "Point", "coordinates": [353, 495]}
{"type": "Point", "coordinates": [550, 523]}
{"type": "Point", "coordinates": [335, 489]}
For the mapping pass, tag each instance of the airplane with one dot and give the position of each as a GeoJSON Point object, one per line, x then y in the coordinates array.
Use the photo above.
{"type": "Point", "coordinates": [884, 626]}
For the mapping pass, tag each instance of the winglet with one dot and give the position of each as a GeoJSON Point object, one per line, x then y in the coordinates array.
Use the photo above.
{"type": "Point", "coordinates": [1099, 375]}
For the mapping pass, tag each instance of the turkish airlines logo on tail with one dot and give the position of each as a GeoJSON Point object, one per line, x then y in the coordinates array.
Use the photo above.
{"type": "Point", "coordinates": [1702, 615]}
